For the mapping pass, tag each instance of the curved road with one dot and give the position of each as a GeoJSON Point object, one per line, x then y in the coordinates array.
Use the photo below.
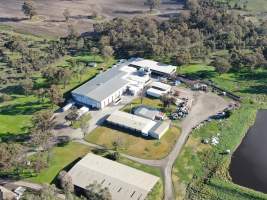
{"type": "Point", "coordinates": [205, 105]}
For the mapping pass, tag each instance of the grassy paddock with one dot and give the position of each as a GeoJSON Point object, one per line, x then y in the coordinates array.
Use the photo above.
{"type": "Point", "coordinates": [198, 161]}
{"type": "Point", "coordinates": [61, 157]}
{"type": "Point", "coordinates": [135, 145]}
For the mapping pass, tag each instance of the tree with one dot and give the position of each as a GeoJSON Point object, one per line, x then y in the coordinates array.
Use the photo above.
{"type": "Point", "coordinates": [107, 52]}
{"type": "Point", "coordinates": [72, 115]}
{"type": "Point", "coordinates": [41, 94]}
{"type": "Point", "coordinates": [48, 192]}
{"type": "Point", "coordinates": [43, 121]}
{"type": "Point", "coordinates": [65, 181]}
{"type": "Point", "coordinates": [28, 8]}
{"type": "Point", "coordinates": [182, 58]}
{"type": "Point", "coordinates": [84, 123]}
{"type": "Point", "coordinates": [64, 75]}
{"type": "Point", "coordinates": [95, 191]}
{"type": "Point", "coordinates": [49, 74]}
{"type": "Point", "coordinates": [166, 100]}
{"type": "Point", "coordinates": [10, 155]}
{"type": "Point", "coordinates": [94, 51]}
{"type": "Point", "coordinates": [41, 131]}
{"type": "Point", "coordinates": [39, 162]}
{"type": "Point", "coordinates": [66, 14]}
{"type": "Point", "coordinates": [265, 53]}
{"type": "Point", "coordinates": [152, 4]}
{"type": "Point", "coordinates": [27, 85]}
{"type": "Point", "coordinates": [55, 94]}
{"type": "Point", "coordinates": [221, 65]}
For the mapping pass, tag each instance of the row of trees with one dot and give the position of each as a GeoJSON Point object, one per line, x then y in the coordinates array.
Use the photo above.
{"type": "Point", "coordinates": [206, 27]}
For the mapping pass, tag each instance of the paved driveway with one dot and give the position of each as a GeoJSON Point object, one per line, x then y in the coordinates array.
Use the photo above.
{"type": "Point", "coordinates": [97, 118]}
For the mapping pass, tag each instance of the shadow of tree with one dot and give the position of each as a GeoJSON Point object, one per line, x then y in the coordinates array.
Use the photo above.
{"type": "Point", "coordinates": [28, 108]}
{"type": "Point", "coordinates": [259, 78]}
{"type": "Point", "coordinates": [203, 74]}
{"type": "Point", "coordinates": [9, 137]}
{"type": "Point", "coordinates": [12, 19]}
{"type": "Point", "coordinates": [12, 89]}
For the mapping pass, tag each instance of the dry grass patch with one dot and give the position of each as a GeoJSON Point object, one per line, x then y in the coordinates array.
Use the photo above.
{"type": "Point", "coordinates": [133, 144]}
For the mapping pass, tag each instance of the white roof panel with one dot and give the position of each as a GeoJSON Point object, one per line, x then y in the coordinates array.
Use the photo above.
{"type": "Point", "coordinates": [122, 181]}
{"type": "Point", "coordinates": [154, 66]}
{"type": "Point", "coordinates": [160, 85]}
{"type": "Point", "coordinates": [131, 121]}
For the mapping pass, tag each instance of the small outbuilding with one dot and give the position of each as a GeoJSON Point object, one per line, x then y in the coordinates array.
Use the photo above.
{"type": "Point", "coordinates": [161, 86]}
{"type": "Point", "coordinates": [132, 122]}
{"type": "Point", "coordinates": [145, 126]}
{"type": "Point", "coordinates": [149, 113]}
{"type": "Point", "coordinates": [160, 129]}
{"type": "Point", "coordinates": [156, 68]}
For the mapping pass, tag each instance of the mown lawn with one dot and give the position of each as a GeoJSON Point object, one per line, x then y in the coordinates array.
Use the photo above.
{"type": "Point", "coordinates": [135, 145]}
{"type": "Point", "coordinates": [16, 114]}
{"type": "Point", "coordinates": [197, 160]}
{"type": "Point", "coordinates": [61, 157]}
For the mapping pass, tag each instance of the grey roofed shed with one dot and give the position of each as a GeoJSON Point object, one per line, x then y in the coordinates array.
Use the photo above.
{"type": "Point", "coordinates": [146, 112]}
{"type": "Point", "coordinates": [123, 182]}
{"type": "Point", "coordinates": [103, 85]}
{"type": "Point", "coordinates": [160, 129]}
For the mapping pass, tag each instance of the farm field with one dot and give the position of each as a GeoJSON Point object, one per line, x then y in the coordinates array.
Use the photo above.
{"type": "Point", "coordinates": [134, 145]}
{"type": "Point", "coordinates": [50, 20]}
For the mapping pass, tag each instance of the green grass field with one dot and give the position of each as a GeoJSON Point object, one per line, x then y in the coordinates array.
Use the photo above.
{"type": "Point", "coordinates": [15, 115]}
{"type": "Point", "coordinates": [197, 159]}
{"type": "Point", "coordinates": [61, 157]}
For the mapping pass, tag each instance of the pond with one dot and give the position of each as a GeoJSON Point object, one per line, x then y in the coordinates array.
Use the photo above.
{"type": "Point", "coordinates": [248, 166]}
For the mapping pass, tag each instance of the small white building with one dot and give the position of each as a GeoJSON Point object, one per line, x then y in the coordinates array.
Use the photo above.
{"type": "Point", "coordinates": [158, 89]}
{"type": "Point", "coordinates": [155, 93]}
{"type": "Point", "coordinates": [138, 124]}
{"type": "Point", "coordinates": [155, 67]}
{"type": "Point", "coordinates": [161, 86]}
{"type": "Point", "coordinates": [132, 122]}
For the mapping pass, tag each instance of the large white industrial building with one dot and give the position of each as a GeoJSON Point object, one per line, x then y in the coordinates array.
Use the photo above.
{"type": "Point", "coordinates": [123, 182]}
{"type": "Point", "coordinates": [108, 86]}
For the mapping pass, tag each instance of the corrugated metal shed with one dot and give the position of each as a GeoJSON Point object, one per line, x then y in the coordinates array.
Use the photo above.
{"type": "Point", "coordinates": [123, 182]}
{"type": "Point", "coordinates": [154, 66]}
{"type": "Point", "coordinates": [131, 121]}
{"type": "Point", "coordinates": [103, 85]}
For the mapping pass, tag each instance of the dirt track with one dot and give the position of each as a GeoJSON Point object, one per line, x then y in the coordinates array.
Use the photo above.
{"type": "Point", "coordinates": [50, 20]}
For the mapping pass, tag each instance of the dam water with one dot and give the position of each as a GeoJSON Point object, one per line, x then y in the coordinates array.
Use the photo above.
{"type": "Point", "coordinates": [248, 166]}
